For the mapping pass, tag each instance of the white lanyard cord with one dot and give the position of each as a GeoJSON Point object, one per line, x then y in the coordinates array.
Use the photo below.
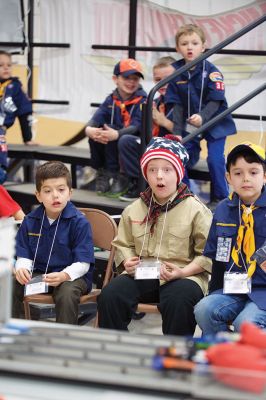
{"type": "Point", "coordinates": [161, 238]}
{"type": "Point", "coordinates": [201, 91]}
{"type": "Point", "coordinates": [112, 115]}
{"type": "Point", "coordinates": [239, 250]}
{"type": "Point", "coordinates": [52, 244]}
{"type": "Point", "coordinates": [39, 241]}
{"type": "Point", "coordinates": [34, 259]}
{"type": "Point", "coordinates": [145, 231]}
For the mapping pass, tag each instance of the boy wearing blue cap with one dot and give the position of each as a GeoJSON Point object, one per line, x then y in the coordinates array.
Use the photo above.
{"type": "Point", "coordinates": [55, 243]}
{"type": "Point", "coordinates": [238, 283]}
{"type": "Point", "coordinates": [118, 115]}
{"type": "Point", "coordinates": [159, 246]}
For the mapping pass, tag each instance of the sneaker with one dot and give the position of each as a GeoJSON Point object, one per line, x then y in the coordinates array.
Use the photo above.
{"type": "Point", "coordinates": [102, 184]}
{"type": "Point", "coordinates": [133, 191]}
{"type": "Point", "coordinates": [89, 186]}
{"type": "Point", "coordinates": [118, 187]}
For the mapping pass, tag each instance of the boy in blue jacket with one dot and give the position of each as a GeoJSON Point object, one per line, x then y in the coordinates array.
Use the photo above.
{"type": "Point", "coordinates": [118, 115]}
{"type": "Point", "coordinates": [13, 103]}
{"type": "Point", "coordinates": [55, 241]}
{"type": "Point", "coordinates": [238, 282]}
{"type": "Point", "coordinates": [198, 95]}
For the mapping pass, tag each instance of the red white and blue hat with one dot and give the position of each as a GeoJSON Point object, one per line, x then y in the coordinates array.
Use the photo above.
{"type": "Point", "coordinates": [169, 148]}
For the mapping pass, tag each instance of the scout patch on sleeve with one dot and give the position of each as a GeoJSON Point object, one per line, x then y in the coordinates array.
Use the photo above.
{"type": "Point", "coordinates": [216, 77]}
{"type": "Point", "coordinates": [219, 85]}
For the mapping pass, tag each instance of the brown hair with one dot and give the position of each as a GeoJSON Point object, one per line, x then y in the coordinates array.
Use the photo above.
{"type": "Point", "coordinates": [164, 62]}
{"type": "Point", "coordinates": [50, 170]}
{"type": "Point", "coordinates": [5, 53]}
{"type": "Point", "coordinates": [189, 29]}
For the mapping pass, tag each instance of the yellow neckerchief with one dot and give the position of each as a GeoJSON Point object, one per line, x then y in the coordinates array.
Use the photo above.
{"type": "Point", "coordinates": [245, 238]}
{"type": "Point", "coordinates": [3, 87]}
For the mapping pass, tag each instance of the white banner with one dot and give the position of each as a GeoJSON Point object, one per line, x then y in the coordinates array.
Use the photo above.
{"type": "Point", "coordinates": [83, 75]}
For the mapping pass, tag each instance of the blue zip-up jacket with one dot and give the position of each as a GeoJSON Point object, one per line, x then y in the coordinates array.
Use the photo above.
{"type": "Point", "coordinates": [108, 113]}
{"type": "Point", "coordinates": [225, 224]}
{"type": "Point", "coordinates": [15, 103]}
{"type": "Point", "coordinates": [213, 90]}
{"type": "Point", "coordinates": [73, 241]}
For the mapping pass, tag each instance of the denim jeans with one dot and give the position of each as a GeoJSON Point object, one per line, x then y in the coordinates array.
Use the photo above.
{"type": "Point", "coordinates": [215, 311]}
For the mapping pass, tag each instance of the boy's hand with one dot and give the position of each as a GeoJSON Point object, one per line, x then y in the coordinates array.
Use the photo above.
{"type": "Point", "coordinates": [56, 278]}
{"type": "Point", "coordinates": [93, 133]}
{"type": "Point", "coordinates": [195, 120]}
{"type": "Point", "coordinates": [158, 117]}
{"type": "Point", "coordinates": [130, 265]}
{"type": "Point", "coordinates": [169, 272]}
{"type": "Point", "coordinates": [23, 276]}
{"type": "Point", "coordinates": [263, 266]}
{"type": "Point", "coordinates": [108, 134]}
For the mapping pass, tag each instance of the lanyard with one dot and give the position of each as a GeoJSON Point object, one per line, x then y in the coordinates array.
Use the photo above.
{"type": "Point", "coordinates": [201, 91]}
{"type": "Point", "coordinates": [36, 250]}
{"type": "Point", "coordinates": [145, 231]}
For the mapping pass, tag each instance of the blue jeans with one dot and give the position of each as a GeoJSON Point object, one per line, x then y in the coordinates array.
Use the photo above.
{"type": "Point", "coordinates": [216, 164]}
{"type": "Point", "coordinates": [214, 312]}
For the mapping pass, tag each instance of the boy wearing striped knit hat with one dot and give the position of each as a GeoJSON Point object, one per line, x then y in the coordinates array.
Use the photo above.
{"type": "Point", "coordinates": [159, 246]}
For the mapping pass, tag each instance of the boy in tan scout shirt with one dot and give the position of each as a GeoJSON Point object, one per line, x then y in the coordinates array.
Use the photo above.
{"type": "Point", "coordinates": [160, 242]}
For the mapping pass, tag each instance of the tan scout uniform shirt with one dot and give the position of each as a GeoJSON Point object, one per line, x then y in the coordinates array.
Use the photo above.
{"type": "Point", "coordinates": [185, 233]}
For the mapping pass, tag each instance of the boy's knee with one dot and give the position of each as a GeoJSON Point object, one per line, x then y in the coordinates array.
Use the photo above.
{"type": "Point", "coordinates": [67, 294]}
{"type": "Point", "coordinates": [202, 307]}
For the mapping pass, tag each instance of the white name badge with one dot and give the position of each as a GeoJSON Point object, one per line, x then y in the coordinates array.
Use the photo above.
{"type": "Point", "coordinates": [148, 270]}
{"type": "Point", "coordinates": [36, 286]}
{"type": "Point", "coordinates": [223, 249]}
{"type": "Point", "coordinates": [236, 283]}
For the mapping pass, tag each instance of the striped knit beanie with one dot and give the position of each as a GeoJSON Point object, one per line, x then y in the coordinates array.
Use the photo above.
{"type": "Point", "coordinates": [168, 148]}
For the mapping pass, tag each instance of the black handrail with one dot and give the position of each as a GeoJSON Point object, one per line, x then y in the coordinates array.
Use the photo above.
{"type": "Point", "coordinates": [173, 49]}
{"type": "Point", "coordinates": [148, 110]}
{"type": "Point", "coordinates": [224, 113]}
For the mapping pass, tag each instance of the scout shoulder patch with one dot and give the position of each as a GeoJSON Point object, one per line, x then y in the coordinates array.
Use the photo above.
{"type": "Point", "coordinates": [216, 76]}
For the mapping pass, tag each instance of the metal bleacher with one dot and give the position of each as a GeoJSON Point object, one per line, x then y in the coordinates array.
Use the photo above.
{"type": "Point", "coordinates": [24, 192]}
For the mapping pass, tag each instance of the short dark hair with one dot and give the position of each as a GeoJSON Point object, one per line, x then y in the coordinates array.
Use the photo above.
{"type": "Point", "coordinates": [50, 170]}
{"type": "Point", "coordinates": [248, 155]}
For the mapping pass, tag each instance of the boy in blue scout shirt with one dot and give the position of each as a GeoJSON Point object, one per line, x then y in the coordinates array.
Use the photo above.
{"type": "Point", "coordinates": [118, 115]}
{"type": "Point", "coordinates": [238, 284]}
{"type": "Point", "coordinates": [55, 241]}
{"type": "Point", "coordinates": [199, 95]}
{"type": "Point", "coordinates": [13, 103]}
{"type": "Point", "coordinates": [129, 146]}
